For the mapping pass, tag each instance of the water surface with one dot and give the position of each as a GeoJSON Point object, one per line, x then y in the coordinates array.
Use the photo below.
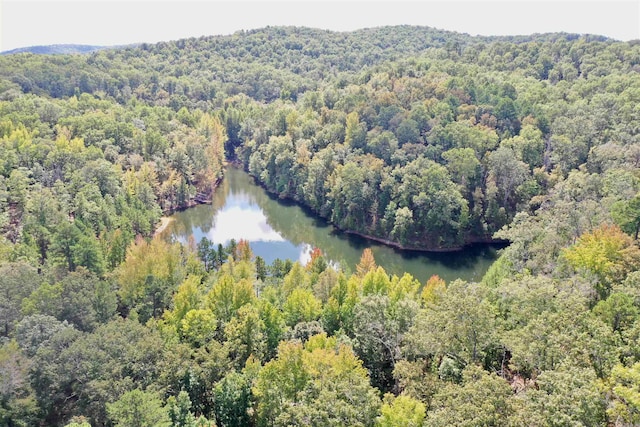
{"type": "Point", "coordinates": [241, 209]}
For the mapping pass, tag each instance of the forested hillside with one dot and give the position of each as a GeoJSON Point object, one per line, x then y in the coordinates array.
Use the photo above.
{"type": "Point", "coordinates": [56, 49]}
{"type": "Point", "coordinates": [413, 136]}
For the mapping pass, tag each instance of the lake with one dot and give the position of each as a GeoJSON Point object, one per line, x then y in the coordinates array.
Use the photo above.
{"type": "Point", "coordinates": [240, 209]}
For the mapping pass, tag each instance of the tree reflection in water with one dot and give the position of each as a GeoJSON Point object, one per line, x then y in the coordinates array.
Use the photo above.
{"type": "Point", "coordinates": [241, 209]}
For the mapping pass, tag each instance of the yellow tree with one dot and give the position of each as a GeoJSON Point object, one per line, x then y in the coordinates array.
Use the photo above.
{"type": "Point", "coordinates": [433, 290]}
{"type": "Point", "coordinates": [367, 263]}
{"type": "Point", "coordinates": [228, 295]}
{"type": "Point", "coordinates": [149, 275]}
{"type": "Point", "coordinates": [187, 298]}
{"type": "Point", "coordinates": [320, 383]}
{"type": "Point", "coordinates": [243, 251]}
{"type": "Point", "coordinates": [606, 255]}
{"type": "Point", "coordinates": [401, 411]}
{"type": "Point", "coordinates": [214, 133]}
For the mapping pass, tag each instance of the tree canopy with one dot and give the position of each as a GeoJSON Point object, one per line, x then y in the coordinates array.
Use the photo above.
{"type": "Point", "coordinates": [420, 138]}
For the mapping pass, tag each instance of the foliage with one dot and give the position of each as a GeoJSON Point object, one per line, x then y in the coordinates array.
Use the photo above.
{"type": "Point", "coordinates": [138, 408]}
{"type": "Point", "coordinates": [233, 400]}
{"type": "Point", "coordinates": [625, 383]}
{"type": "Point", "coordinates": [482, 399]}
{"type": "Point", "coordinates": [149, 275]}
{"type": "Point", "coordinates": [562, 397]}
{"type": "Point", "coordinates": [606, 254]}
{"type": "Point", "coordinates": [460, 326]}
{"type": "Point", "coordinates": [402, 411]}
{"type": "Point", "coordinates": [320, 384]}
{"type": "Point", "coordinates": [419, 138]}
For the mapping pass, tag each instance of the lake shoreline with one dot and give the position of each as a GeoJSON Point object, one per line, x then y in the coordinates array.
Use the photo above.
{"type": "Point", "coordinates": [284, 229]}
{"type": "Point", "coordinates": [401, 247]}
{"type": "Point", "coordinates": [383, 241]}
{"type": "Point", "coordinates": [164, 223]}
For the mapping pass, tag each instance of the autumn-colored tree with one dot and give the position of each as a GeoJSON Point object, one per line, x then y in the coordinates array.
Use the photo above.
{"type": "Point", "coordinates": [605, 255]}
{"type": "Point", "coordinates": [404, 287]}
{"type": "Point", "coordinates": [317, 263]}
{"type": "Point", "coordinates": [367, 263]}
{"type": "Point", "coordinates": [433, 290]}
{"type": "Point", "coordinates": [198, 327]}
{"type": "Point", "coordinates": [243, 251]}
{"type": "Point", "coordinates": [150, 274]}
{"type": "Point", "coordinates": [213, 131]}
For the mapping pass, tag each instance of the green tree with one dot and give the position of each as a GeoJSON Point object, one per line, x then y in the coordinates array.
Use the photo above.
{"type": "Point", "coordinates": [233, 400]}
{"type": "Point", "coordinates": [17, 404]}
{"type": "Point", "coordinates": [624, 385]}
{"type": "Point", "coordinates": [482, 399]}
{"type": "Point", "coordinates": [117, 357]}
{"type": "Point", "coordinates": [626, 213]}
{"type": "Point", "coordinates": [206, 253]}
{"type": "Point", "coordinates": [274, 326]}
{"type": "Point", "coordinates": [379, 327]}
{"type": "Point", "coordinates": [245, 335]}
{"type": "Point", "coordinates": [460, 325]}
{"type": "Point", "coordinates": [568, 396]}
{"type": "Point", "coordinates": [301, 306]}
{"type": "Point", "coordinates": [320, 384]}
{"type": "Point", "coordinates": [401, 411]}
{"type": "Point", "coordinates": [436, 214]}
{"type": "Point", "coordinates": [41, 219]}
{"type": "Point", "coordinates": [463, 165]}
{"type": "Point", "coordinates": [79, 298]}
{"type": "Point", "coordinates": [35, 330]}
{"type": "Point", "coordinates": [509, 173]}
{"type": "Point", "coordinates": [528, 145]}
{"type": "Point", "coordinates": [17, 281]}
{"type": "Point", "coordinates": [261, 269]}
{"type": "Point", "coordinates": [179, 409]}
{"type": "Point", "coordinates": [50, 383]}
{"type": "Point", "coordinates": [617, 311]}
{"type": "Point", "coordinates": [137, 408]}
{"type": "Point", "coordinates": [408, 132]}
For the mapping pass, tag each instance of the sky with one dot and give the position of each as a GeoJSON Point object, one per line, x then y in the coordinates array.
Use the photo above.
{"type": "Point", "coordinates": [117, 22]}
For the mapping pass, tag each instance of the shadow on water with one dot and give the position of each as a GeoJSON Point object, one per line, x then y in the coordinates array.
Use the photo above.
{"type": "Point", "coordinates": [283, 229]}
{"type": "Point", "coordinates": [472, 254]}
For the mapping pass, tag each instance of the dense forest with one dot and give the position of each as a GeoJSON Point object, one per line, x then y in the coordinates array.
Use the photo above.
{"type": "Point", "coordinates": [416, 137]}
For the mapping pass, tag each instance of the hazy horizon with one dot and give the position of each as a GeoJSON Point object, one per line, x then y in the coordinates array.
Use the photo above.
{"type": "Point", "coordinates": [28, 23]}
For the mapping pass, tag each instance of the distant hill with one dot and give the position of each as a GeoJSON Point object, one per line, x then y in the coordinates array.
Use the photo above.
{"type": "Point", "coordinates": [56, 49]}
